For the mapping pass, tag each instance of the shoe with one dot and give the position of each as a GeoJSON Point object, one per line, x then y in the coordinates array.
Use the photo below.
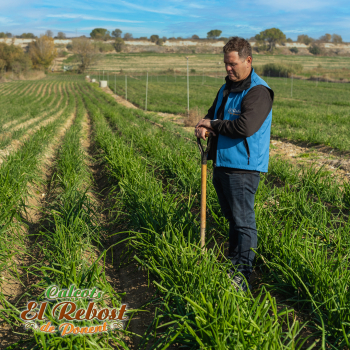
{"type": "Point", "coordinates": [238, 283]}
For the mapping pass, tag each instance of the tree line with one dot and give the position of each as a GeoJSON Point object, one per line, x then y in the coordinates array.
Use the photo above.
{"type": "Point", "coordinates": [39, 55]}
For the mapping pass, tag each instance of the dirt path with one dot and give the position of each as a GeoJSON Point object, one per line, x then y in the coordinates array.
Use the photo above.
{"type": "Point", "coordinates": [307, 154]}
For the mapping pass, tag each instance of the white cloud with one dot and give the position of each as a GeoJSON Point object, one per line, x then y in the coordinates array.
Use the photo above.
{"type": "Point", "coordinates": [5, 20]}
{"type": "Point", "coordinates": [165, 11]}
{"type": "Point", "coordinates": [296, 5]}
{"type": "Point", "coordinates": [91, 18]}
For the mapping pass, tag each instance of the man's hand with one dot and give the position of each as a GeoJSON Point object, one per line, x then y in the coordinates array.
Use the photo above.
{"type": "Point", "coordinates": [204, 123]}
{"type": "Point", "coordinates": [202, 127]}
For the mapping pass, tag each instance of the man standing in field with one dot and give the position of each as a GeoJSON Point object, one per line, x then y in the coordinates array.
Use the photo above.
{"type": "Point", "coordinates": [240, 119]}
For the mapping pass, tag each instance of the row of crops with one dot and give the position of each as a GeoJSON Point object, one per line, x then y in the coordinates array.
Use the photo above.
{"type": "Point", "coordinates": [152, 175]}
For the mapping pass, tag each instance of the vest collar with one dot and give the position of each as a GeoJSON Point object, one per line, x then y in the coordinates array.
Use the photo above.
{"type": "Point", "coordinates": [239, 86]}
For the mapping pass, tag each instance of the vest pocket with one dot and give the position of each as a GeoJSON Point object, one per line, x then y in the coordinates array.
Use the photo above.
{"type": "Point", "coordinates": [247, 148]}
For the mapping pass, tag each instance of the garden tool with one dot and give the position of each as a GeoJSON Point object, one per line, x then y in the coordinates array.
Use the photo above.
{"type": "Point", "coordinates": [204, 154]}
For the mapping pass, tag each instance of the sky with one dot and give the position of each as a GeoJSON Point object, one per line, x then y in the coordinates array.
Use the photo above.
{"type": "Point", "coordinates": [180, 18]}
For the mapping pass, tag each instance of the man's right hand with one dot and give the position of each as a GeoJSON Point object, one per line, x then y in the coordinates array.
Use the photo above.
{"type": "Point", "coordinates": [200, 132]}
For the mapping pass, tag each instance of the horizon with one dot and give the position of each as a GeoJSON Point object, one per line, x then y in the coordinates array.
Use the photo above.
{"type": "Point", "coordinates": [177, 18]}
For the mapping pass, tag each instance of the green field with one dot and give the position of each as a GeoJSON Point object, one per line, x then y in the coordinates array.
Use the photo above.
{"type": "Point", "coordinates": [110, 174]}
{"type": "Point", "coordinates": [212, 64]}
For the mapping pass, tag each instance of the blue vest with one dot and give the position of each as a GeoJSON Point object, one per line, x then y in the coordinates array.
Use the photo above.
{"type": "Point", "coordinates": [251, 153]}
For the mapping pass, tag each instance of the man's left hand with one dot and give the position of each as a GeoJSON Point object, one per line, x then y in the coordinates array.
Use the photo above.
{"type": "Point", "coordinates": [204, 123]}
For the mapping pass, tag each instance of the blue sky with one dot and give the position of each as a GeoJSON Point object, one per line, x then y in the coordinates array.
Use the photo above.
{"type": "Point", "coordinates": [177, 18]}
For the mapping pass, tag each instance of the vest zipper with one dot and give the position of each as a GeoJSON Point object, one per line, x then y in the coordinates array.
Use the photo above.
{"type": "Point", "coordinates": [247, 148]}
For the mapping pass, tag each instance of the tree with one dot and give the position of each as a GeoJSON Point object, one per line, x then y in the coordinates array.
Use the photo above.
{"type": "Point", "coordinates": [337, 39]}
{"type": "Point", "coordinates": [27, 36]}
{"type": "Point", "coordinates": [61, 35]}
{"type": "Point", "coordinates": [294, 49]}
{"type": "Point", "coordinates": [2, 64]}
{"type": "Point", "coordinates": [8, 34]}
{"type": "Point", "coordinates": [12, 53]}
{"type": "Point", "coordinates": [214, 34]}
{"type": "Point", "coordinates": [119, 44]}
{"type": "Point", "coordinates": [160, 42]}
{"type": "Point", "coordinates": [99, 33]}
{"type": "Point", "coordinates": [326, 38]}
{"type": "Point", "coordinates": [195, 36]}
{"type": "Point", "coordinates": [85, 52]}
{"type": "Point", "coordinates": [42, 51]}
{"type": "Point", "coordinates": [49, 33]}
{"type": "Point", "coordinates": [154, 38]}
{"type": "Point", "coordinates": [271, 36]}
{"type": "Point", "coordinates": [2, 35]}
{"type": "Point", "coordinates": [127, 36]}
{"type": "Point", "coordinates": [289, 40]}
{"type": "Point", "coordinates": [164, 38]}
{"type": "Point", "coordinates": [117, 33]}
{"type": "Point", "coordinates": [305, 39]}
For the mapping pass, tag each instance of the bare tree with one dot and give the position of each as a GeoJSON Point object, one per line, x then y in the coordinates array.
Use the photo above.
{"type": "Point", "coordinates": [337, 39]}
{"type": "Point", "coordinates": [85, 52]}
{"type": "Point", "coordinates": [61, 35]}
{"type": "Point", "coordinates": [127, 36]}
{"type": "Point", "coordinates": [42, 51]}
{"type": "Point", "coordinates": [49, 33]}
{"type": "Point", "coordinates": [326, 38]}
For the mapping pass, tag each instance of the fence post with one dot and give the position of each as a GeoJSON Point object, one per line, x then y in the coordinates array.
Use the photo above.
{"type": "Point", "coordinates": [188, 92]}
{"type": "Point", "coordinates": [126, 87]}
{"type": "Point", "coordinates": [146, 91]}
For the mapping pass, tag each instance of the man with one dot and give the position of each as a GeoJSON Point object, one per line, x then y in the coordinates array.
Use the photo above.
{"type": "Point", "coordinates": [240, 120]}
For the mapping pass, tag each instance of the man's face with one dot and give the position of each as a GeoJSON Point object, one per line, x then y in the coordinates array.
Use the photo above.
{"type": "Point", "coordinates": [236, 68]}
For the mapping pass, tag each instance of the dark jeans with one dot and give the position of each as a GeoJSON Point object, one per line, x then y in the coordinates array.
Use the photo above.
{"type": "Point", "coordinates": [236, 194]}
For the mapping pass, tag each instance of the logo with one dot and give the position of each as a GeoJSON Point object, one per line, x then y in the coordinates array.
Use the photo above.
{"type": "Point", "coordinates": [69, 314]}
{"type": "Point", "coordinates": [234, 111]}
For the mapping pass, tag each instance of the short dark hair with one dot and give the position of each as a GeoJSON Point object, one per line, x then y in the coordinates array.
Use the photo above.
{"type": "Point", "coordinates": [240, 45]}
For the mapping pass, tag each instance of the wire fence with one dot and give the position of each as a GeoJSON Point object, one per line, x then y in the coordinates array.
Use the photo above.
{"type": "Point", "coordinates": [187, 87]}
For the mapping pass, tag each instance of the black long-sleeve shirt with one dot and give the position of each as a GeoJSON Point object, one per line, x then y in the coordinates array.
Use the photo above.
{"type": "Point", "coordinates": [256, 106]}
